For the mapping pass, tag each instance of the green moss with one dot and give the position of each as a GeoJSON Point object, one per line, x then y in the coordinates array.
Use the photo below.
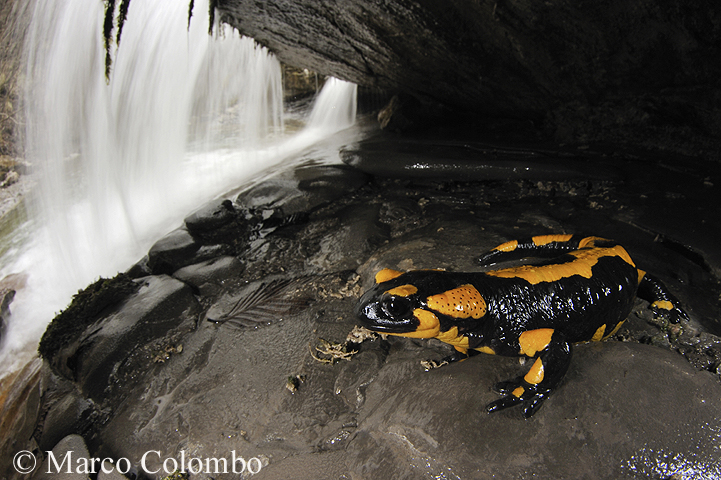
{"type": "Point", "coordinates": [122, 16]}
{"type": "Point", "coordinates": [213, 4]}
{"type": "Point", "coordinates": [84, 310]}
{"type": "Point", "coordinates": [190, 11]}
{"type": "Point", "coordinates": [108, 24]}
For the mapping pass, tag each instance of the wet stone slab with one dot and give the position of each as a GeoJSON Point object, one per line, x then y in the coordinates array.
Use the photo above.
{"type": "Point", "coordinates": [239, 370]}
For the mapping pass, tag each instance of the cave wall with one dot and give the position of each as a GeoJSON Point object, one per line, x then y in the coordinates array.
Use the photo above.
{"type": "Point", "coordinates": [571, 67]}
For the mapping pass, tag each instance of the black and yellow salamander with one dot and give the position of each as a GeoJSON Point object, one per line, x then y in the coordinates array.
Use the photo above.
{"type": "Point", "coordinates": [580, 289]}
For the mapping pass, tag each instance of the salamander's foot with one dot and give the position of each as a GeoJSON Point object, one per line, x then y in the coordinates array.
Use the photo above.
{"type": "Point", "coordinates": [456, 356]}
{"type": "Point", "coordinates": [669, 310]}
{"type": "Point", "coordinates": [516, 392]}
{"type": "Point", "coordinates": [661, 302]}
{"type": "Point", "coordinates": [431, 364]}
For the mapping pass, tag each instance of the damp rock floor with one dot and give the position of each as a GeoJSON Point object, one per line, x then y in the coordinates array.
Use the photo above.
{"type": "Point", "coordinates": [232, 334]}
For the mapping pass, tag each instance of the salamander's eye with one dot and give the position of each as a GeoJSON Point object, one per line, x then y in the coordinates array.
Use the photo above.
{"type": "Point", "coordinates": [395, 306]}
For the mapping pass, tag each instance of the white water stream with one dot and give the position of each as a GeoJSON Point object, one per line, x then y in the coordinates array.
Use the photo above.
{"type": "Point", "coordinates": [182, 118]}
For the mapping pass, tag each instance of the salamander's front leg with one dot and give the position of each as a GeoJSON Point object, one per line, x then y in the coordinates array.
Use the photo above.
{"type": "Point", "coordinates": [456, 356]}
{"type": "Point", "coordinates": [552, 355]}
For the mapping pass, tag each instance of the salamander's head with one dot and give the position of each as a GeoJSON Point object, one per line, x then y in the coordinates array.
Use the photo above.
{"type": "Point", "coordinates": [419, 303]}
{"type": "Point", "coordinates": [394, 306]}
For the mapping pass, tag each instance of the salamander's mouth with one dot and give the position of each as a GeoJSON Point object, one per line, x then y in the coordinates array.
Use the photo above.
{"type": "Point", "coordinates": [373, 318]}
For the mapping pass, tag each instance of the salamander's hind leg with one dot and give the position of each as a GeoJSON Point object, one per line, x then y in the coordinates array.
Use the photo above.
{"type": "Point", "coordinates": [549, 368]}
{"type": "Point", "coordinates": [542, 246]}
{"type": "Point", "coordinates": [662, 302]}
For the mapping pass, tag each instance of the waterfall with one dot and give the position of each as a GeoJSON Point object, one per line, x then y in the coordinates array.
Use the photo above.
{"type": "Point", "coordinates": [335, 106]}
{"type": "Point", "coordinates": [111, 154]}
{"type": "Point", "coordinates": [181, 118]}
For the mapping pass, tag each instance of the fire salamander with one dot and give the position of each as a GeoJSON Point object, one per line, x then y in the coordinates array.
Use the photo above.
{"type": "Point", "coordinates": [581, 289]}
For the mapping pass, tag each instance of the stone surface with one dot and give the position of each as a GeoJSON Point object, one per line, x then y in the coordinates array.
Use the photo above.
{"type": "Point", "coordinates": [74, 445]}
{"type": "Point", "coordinates": [640, 72]}
{"type": "Point", "coordinates": [302, 190]}
{"type": "Point", "coordinates": [162, 376]}
{"type": "Point", "coordinates": [401, 114]}
{"type": "Point", "coordinates": [172, 252]}
{"type": "Point", "coordinates": [109, 472]}
{"type": "Point", "coordinates": [215, 270]}
{"type": "Point", "coordinates": [8, 287]}
{"type": "Point", "coordinates": [210, 217]}
{"type": "Point", "coordinates": [6, 298]}
{"type": "Point", "coordinates": [127, 337]}
{"type": "Point", "coordinates": [67, 414]}
{"type": "Point", "coordinates": [21, 400]}
{"type": "Point", "coordinates": [442, 158]}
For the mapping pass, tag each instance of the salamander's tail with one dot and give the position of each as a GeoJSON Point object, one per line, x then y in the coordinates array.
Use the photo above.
{"type": "Point", "coordinates": [542, 246]}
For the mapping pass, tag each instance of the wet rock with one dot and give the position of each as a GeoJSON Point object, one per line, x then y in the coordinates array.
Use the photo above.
{"type": "Point", "coordinates": [359, 231]}
{"type": "Point", "coordinates": [284, 199]}
{"type": "Point", "coordinates": [96, 360]}
{"type": "Point", "coordinates": [109, 472]}
{"type": "Point", "coordinates": [6, 298]}
{"type": "Point", "coordinates": [400, 114]}
{"type": "Point", "coordinates": [210, 217]}
{"type": "Point", "coordinates": [433, 423]}
{"type": "Point", "coordinates": [8, 287]}
{"type": "Point", "coordinates": [70, 413]}
{"type": "Point", "coordinates": [140, 269]}
{"type": "Point", "coordinates": [215, 270]}
{"type": "Point", "coordinates": [177, 250]}
{"type": "Point", "coordinates": [73, 446]}
{"type": "Point", "coordinates": [172, 252]}
{"type": "Point", "coordinates": [210, 388]}
{"type": "Point", "coordinates": [468, 160]}
{"type": "Point", "coordinates": [230, 380]}
{"type": "Point", "coordinates": [21, 404]}
{"type": "Point", "coordinates": [304, 189]}
{"type": "Point", "coordinates": [86, 308]}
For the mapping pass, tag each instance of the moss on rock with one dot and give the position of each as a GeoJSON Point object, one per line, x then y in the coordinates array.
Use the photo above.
{"type": "Point", "coordinates": [84, 310]}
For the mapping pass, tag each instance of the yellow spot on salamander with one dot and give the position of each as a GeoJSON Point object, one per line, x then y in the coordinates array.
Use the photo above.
{"type": "Point", "coordinates": [535, 374]}
{"type": "Point", "coordinates": [403, 290]}
{"type": "Point", "coordinates": [452, 337]}
{"type": "Point", "coordinates": [508, 246]}
{"type": "Point", "coordinates": [615, 329]}
{"type": "Point", "coordinates": [487, 350]}
{"type": "Point", "coordinates": [590, 242]}
{"type": "Point", "coordinates": [601, 334]}
{"type": "Point", "coordinates": [534, 341]}
{"type": "Point", "coordinates": [582, 265]}
{"type": "Point", "coordinates": [429, 326]}
{"type": "Point", "coordinates": [518, 392]}
{"type": "Point", "coordinates": [641, 273]}
{"type": "Point", "coordinates": [541, 240]}
{"type": "Point", "coordinates": [598, 336]}
{"type": "Point", "coordinates": [461, 302]}
{"type": "Point", "coordinates": [664, 304]}
{"type": "Point", "coordinates": [387, 274]}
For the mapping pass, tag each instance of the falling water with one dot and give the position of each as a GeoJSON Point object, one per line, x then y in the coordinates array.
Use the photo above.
{"type": "Point", "coordinates": [335, 107]}
{"type": "Point", "coordinates": [181, 118]}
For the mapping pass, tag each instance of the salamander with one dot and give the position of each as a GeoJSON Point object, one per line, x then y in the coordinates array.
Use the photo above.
{"type": "Point", "coordinates": [578, 289]}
